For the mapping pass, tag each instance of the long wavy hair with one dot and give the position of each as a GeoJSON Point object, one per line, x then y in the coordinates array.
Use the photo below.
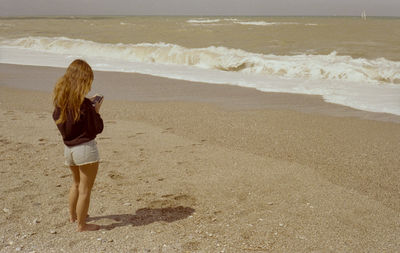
{"type": "Point", "coordinates": [71, 89]}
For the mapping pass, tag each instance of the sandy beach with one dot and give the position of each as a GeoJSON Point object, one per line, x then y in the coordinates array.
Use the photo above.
{"type": "Point", "coordinates": [192, 167]}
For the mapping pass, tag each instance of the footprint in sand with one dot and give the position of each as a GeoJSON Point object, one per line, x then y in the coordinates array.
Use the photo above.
{"type": "Point", "coordinates": [135, 135]}
{"type": "Point", "coordinates": [142, 155]}
{"type": "Point", "coordinates": [145, 196]}
{"type": "Point", "coordinates": [4, 142]}
{"type": "Point", "coordinates": [42, 141]}
{"type": "Point", "coordinates": [114, 175]}
{"type": "Point", "coordinates": [185, 199]}
{"type": "Point", "coordinates": [199, 144]}
{"type": "Point", "coordinates": [191, 246]}
{"type": "Point", "coordinates": [171, 200]}
{"type": "Point", "coordinates": [167, 130]}
{"type": "Point", "coordinates": [161, 204]}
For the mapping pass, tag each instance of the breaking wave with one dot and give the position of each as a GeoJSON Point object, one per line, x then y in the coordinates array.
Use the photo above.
{"type": "Point", "coordinates": [306, 67]}
{"type": "Point", "coordinates": [263, 23]}
{"type": "Point", "coordinates": [206, 21]}
{"type": "Point", "coordinates": [203, 21]}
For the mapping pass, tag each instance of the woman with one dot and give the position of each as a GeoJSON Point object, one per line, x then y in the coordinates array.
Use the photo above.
{"type": "Point", "coordinates": [79, 121]}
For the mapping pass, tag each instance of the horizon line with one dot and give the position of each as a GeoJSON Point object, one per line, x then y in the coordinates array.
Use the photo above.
{"type": "Point", "coordinates": [182, 15]}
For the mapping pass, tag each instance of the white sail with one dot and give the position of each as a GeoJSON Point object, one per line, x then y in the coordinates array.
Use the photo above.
{"type": "Point", "coordinates": [363, 15]}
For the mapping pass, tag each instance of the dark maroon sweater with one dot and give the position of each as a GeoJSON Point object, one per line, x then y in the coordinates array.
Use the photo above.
{"type": "Point", "coordinates": [85, 129]}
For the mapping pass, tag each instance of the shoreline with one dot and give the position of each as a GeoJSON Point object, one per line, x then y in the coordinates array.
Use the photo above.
{"type": "Point", "coordinates": [199, 168]}
{"type": "Point", "coordinates": [166, 89]}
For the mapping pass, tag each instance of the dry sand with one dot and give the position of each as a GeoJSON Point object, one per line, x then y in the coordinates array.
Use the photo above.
{"type": "Point", "coordinates": [189, 167]}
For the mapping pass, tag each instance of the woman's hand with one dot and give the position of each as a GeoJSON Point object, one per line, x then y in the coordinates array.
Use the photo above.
{"type": "Point", "coordinates": [97, 101]}
{"type": "Point", "coordinates": [98, 105]}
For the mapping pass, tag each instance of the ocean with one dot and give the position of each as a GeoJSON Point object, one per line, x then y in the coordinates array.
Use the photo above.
{"type": "Point", "coordinates": [346, 60]}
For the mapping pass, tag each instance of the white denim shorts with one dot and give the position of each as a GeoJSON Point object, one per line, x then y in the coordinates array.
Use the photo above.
{"type": "Point", "coordinates": [81, 154]}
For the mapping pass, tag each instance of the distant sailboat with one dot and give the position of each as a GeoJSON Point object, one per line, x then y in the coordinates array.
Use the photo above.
{"type": "Point", "coordinates": [363, 15]}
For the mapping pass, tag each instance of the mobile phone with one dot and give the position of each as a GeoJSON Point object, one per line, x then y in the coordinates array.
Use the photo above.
{"type": "Point", "coordinates": [97, 99]}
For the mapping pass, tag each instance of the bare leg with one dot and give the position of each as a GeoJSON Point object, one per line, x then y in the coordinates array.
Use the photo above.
{"type": "Point", "coordinates": [74, 193]}
{"type": "Point", "coordinates": [87, 175]}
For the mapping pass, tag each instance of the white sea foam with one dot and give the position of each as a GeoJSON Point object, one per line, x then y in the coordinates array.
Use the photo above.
{"type": "Point", "coordinates": [308, 67]}
{"type": "Point", "coordinates": [371, 85]}
{"type": "Point", "coordinates": [231, 19]}
{"type": "Point", "coordinates": [203, 21]}
{"type": "Point", "coordinates": [263, 23]}
{"type": "Point", "coordinates": [6, 25]}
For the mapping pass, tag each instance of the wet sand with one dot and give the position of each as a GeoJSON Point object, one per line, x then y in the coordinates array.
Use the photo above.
{"type": "Point", "coordinates": [191, 167]}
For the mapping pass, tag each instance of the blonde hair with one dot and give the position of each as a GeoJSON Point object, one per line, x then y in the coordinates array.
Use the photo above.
{"type": "Point", "coordinates": [71, 89]}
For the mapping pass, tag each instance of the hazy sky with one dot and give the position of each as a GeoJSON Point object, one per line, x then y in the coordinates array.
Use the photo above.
{"type": "Point", "coordinates": [199, 7]}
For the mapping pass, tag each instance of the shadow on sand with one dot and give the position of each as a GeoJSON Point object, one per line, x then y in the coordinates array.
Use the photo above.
{"type": "Point", "coordinates": [146, 216]}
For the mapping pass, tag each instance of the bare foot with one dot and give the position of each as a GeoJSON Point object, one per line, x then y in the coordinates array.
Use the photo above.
{"type": "Point", "coordinates": [88, 227]}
